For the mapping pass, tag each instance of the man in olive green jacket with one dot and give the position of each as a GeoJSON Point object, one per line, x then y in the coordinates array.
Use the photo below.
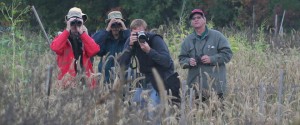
{"type": "Point", "coordinates": [205, 51]}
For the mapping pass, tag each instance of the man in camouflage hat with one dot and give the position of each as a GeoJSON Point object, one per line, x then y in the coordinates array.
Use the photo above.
{"type": "Point", "coordinates": [111, 40]}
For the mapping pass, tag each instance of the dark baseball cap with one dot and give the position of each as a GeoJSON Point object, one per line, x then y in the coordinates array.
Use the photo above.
{"type": "Point", "coordinates": [196, 11]}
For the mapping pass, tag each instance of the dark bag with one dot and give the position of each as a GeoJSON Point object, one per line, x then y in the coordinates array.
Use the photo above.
{"type": "Point", "coordinates": [173, 83]}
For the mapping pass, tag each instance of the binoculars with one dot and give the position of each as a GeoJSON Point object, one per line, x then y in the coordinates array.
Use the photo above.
{"type": "Point", "coordinates": [116, 25]}
{"type": "Point", "coordinates": [76, 23]}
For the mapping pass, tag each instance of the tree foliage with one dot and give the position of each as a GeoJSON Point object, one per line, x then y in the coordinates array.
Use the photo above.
{"type": "Point", "coordinates": [238, 13]}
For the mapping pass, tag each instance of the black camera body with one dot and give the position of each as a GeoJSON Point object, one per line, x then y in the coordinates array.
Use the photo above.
{"type": "Point", "coordinates": [198, 59]}
{"type": "Point", "coordinates": [142, 37]}
{"type": "Point", "coordinates": [76, 23]}
{"type": "Point", "coordinates": [116, 25]}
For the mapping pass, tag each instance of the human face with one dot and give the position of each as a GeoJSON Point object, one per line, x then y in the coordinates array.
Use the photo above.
{"type": "Point", "coordinates": [74, 28]}
{"type": "Point", "coordinates": [133, 36]}
{"type": "Point", "coordinates": [198, 21]}
{"type": "Point", "coordinates": [115, 30]}
{"type": "Point", "coordinates": [138, 29]}
{"type": "Point", "coordinates": [115, 25]}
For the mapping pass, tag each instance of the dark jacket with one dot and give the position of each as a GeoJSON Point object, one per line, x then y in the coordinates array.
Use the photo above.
{"type": "Point", "coordinates": [158, 58]}
{"type": "Point", "coordinates": [215, 45]}
{"type": "Point", "coordinates": [109, 45]}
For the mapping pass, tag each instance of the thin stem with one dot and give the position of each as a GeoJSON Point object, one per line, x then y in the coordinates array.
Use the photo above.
{"type": "Point", "coordinates": [14, 53]}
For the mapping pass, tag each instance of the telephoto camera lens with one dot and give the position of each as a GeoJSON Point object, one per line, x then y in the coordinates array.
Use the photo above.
{"type": "Point", "coordinates": [142, 38]}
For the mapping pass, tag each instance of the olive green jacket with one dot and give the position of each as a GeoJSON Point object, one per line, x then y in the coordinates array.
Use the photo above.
{"type": "Point", "coordinates": [215, 45]}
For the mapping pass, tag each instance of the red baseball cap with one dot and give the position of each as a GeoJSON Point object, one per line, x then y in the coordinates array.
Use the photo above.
{"type": "Point", "coordinates": [196, 11]}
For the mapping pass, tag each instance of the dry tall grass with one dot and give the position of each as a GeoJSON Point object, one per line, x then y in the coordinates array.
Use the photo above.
{"type": "Point", "coordinates": [254, 93]}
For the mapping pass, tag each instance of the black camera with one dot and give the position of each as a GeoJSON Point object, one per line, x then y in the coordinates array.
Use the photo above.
{"type": "Point", "coordinates": [142, 37]}
{"type": "Point", "coordinates": [198, 59]}
{"type": "Point", "coordinates": [76, 23]}
{"type": "Point", "coordinates": [116, 25]}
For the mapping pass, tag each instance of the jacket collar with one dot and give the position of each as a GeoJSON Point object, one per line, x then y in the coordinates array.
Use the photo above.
{"type": "Point", "coordinates": [203, 35]}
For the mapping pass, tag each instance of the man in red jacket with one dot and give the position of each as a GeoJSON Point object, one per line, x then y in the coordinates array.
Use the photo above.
{"type": "Point", "coordinates": [74, 47]}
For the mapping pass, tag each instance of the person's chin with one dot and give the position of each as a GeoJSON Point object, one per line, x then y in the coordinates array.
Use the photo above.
{"type": "Point", "coordinates": [74, 32]}
{"type": "Point", "coordinates": [197, 26]}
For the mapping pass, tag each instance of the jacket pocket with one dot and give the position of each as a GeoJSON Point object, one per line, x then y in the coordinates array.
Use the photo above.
{"type": "Point", "coordinates": [211, 50]}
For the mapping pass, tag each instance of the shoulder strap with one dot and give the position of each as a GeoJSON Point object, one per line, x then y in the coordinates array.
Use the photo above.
{"type": "Point", "coordinates": [151, 36]}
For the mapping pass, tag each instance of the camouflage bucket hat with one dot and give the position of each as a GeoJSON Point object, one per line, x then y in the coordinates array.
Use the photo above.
{"type": "Point", "coordinates": [114, 15]}
{"type": "Point", "coordinates": [76, 12]}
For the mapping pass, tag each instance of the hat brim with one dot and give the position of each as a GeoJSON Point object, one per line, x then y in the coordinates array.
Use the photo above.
{"type": "Point", "coordinates": [107, 20]}
{"type": "Point", "coordinates": [191, 15]}
{"type": "Point", "coordinates": [84, 17]}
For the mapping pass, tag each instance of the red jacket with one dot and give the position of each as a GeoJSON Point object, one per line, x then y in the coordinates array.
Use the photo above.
{"type": "Point", "coordinates": [65, 56]}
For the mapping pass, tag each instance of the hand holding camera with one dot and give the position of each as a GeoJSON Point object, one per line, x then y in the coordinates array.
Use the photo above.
{"type": "Point", "coordinates": [132, 38]}
{"type": "Point", "coordinates": [141, 38]}
{"type": "Point", "coordinates": [193, 62]}
{"type": "Point", "coordinates": [205, 59]}
{"type": "Point", "coordinates": [200, 60]}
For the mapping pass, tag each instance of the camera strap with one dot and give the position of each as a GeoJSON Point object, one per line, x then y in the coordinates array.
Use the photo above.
{"type": "Point", "coordinates": [151, 37]}
{"type": "Point", "coordinates": [133, 62]}
{"type": "Point", "coordinates": [135, 66]}
{"type": "Point", "coordinates": [76, 44]}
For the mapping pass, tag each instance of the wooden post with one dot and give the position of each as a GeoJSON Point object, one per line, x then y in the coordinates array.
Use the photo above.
{"type": "Point", "coordinates": [182, 120]}
{"type": "Point", "coordinates": [41, 25]}
{"type": "Point", "coordinates": [261, 101]}
{"type": "Point", "coordinates": [280, 94]}
{"type": "Point", "coordinates": [276, 25]}
{"type": "Point", "coordinates": [191, 98]}
{"type": "Point", "coordinates": [48, 88]}
{"type": "Point", "coordinates": [281, 28]}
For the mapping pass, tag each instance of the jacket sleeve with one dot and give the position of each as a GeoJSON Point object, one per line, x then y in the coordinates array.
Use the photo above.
{"type": "Point", "coordinates": [224, 54]}
{"type": "Point", "coordinates": [90, 46]}
{"type": "Point", "coordinates": [59, 42]}
{"type": "Point", "coordinates": [184, 55]}
{"type": "Point", "coordinates": [159, 52]}
{"type": "Point", "coordinates": [99, 38]}
{"type": "Point", "coordinates": [126, 34]}
{"type": "Point", "coordinates": [125, 56]}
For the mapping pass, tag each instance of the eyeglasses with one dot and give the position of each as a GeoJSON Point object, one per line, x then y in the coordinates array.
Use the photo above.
{"type": "Point", "coordinates": [196, 17]}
